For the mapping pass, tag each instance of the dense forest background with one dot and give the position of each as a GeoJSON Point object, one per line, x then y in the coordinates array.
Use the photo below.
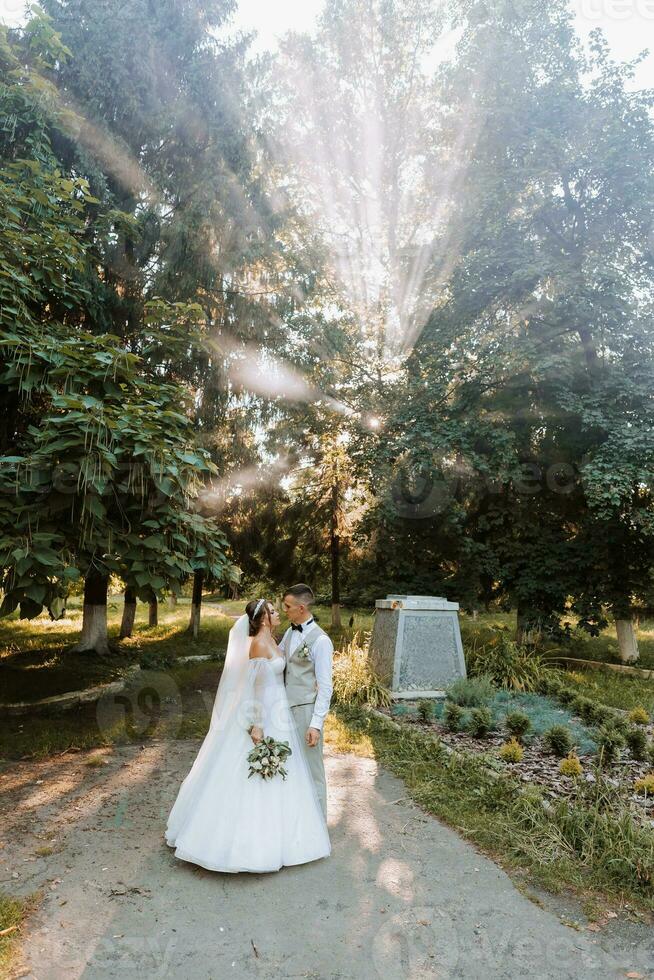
{"type": "Point", "coordinates": [363, 313]}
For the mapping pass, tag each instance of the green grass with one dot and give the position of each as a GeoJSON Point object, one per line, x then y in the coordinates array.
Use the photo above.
{"type": "Point", "coordinates": [603, 647]}
{"type": "Point", "coordinates": [588, 844]}
{"type": "Point", "coordinates": [35, 661]}
{"type": "Point", "coordinates": [13, 912]}
{"type": "Point", "coordinates": [169, 702]}
{"type": "Point", "coordinates": [614, 689]}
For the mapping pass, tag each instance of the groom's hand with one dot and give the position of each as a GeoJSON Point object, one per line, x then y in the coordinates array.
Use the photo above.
{"type": "Point", "coordinates": [313, 737]}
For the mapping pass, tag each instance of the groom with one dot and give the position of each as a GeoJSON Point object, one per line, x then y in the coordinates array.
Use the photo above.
{"type": "Point", "coordinates": [308, 652]}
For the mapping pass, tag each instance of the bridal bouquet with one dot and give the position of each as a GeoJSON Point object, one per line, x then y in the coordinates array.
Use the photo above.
{"type": "Point", "coordinates": [267, 759]}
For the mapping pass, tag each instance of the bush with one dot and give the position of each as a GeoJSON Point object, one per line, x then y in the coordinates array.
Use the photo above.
{"type": "Point", "coordinates": [638, 716]}
{"type": "Point", "coordinates": [452, 716]}
{"type": "Point", "coordinates": [517, 724]}
{"type": "Point", "coordinates": [425, 709]}
{"type": "Point", "coordinates": [571, 766]}
{"type": "Point", "coordinates": [512, 751]}
{"type": "Point", "coordinates": [609, 742]}
{"type": "Point", "coordinates": [471, 692]}
{"type": "Point", "coordinates": [355, 681]}
{"type": "Point", "coordinates": [636, 740]}
{"type": "Point", "coordinates": [507, 664]}
{"type": "Point", "coordinates": [481, 722]}
{"type": "Point", "coordinates": [645, 784]}
{"type": "Point", "coordinates": [558, 740]}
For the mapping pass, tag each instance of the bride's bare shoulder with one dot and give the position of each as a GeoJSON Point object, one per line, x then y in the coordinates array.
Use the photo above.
{"type": "Point", "coordinates": [259, 648]}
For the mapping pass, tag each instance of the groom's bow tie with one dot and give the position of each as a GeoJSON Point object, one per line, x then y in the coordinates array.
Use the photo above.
{"type": "Point", "coordinates": [300, 626]}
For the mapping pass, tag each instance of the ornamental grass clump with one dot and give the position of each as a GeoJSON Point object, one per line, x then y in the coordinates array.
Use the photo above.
{"type": "Point", "coordinates": [571, 766]}
{"type": "Point", "coordinates": [517, 724]}
{"type": "Point", "coordinates": [425, 709]}
{"type": "Point", "coordinates": [453, 716]}
{"type": "Point", "coordinates": [481, 722]}
{"type": "Point", "coordinates": [355, 681]}
{"type": "Point", "coordinates": [639, 716]}
{"type": "Point", "coordinates": [508, 664]}
{"type": "Point", "coordinates": [558, 740]}
{"type": "Point", "coordinates": [645, 784]}
{"type": "Point", "coordinates": [471, 692]}
{"type": "Point", "coordinates": [512, 751]}
{"type": "Point", "coordinates": [636, 740]}
{"type": "Point", "coordinates": [609, 744]}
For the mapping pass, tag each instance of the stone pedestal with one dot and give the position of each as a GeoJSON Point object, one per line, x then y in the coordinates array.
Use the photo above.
{"type": "Point", "coordinates": [416, 645]}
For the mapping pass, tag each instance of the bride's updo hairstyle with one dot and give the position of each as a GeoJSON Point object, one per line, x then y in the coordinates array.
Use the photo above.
{"type": "Point", "coordinates": [255, 611]}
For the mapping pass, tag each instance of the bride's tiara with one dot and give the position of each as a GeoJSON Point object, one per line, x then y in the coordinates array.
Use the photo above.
{"type": "Point", "coordinates": [257, 608]}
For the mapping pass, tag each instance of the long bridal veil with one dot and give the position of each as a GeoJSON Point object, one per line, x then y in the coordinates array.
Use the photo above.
{"type": "Point", "coordinates": [230, 713]}
{"type": "Point", "coordinates": [233, 685]}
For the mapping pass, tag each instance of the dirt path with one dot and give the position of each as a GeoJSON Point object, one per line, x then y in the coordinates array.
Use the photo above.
{"type": "Point", "coordinates": [401, 897]}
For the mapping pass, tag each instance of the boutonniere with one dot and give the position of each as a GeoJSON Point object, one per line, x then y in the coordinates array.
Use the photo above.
{"type": "Point", "coordinates": [302, 652]}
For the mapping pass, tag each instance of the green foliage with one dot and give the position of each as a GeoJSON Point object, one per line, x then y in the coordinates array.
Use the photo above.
{"type": "Point", "coordinates": [471, 692]}
{"type": "Point", "coordinates": [452, 716]}
{"type": "Point", "coordinates": [636, 740]}
{"type": "Point", "coordinates": [507, 664]}
{"type": "Point", "coordinates": [610, 742]}
{"type": "Point", "coordinates": [645, 784]}
{"type": "Point", "coordinates": [571, 766]}
{"type": "Point", "coordinates": [517, 723]}
{"type": "Point", "coordinates": [480, 723]}
{"type": "Point", "coordinates": [512, 751]}
{"type": "Point", "coordinates": [639, 716]}
{"type": "Point", "coordinates": [425, 709]}
{"type": "Point", "coordinates": [588, 840]}
{"type": "Point", "coordinates": [558, 740]}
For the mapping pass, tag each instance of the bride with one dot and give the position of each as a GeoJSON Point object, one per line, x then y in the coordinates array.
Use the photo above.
{"type": "Point", "coordinates": [222, 820]}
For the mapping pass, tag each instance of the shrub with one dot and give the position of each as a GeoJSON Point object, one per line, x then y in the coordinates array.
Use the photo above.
{"type": "Point", "coordinates": [645, 784]}
{"type": "Point", "coordinates": [355, 681]}
{"type": "Point", "coordinates": [636, 740]}
{"type": "Point", "coordinates": [452, 716]}
{"type": "Point", "coordinates": [517, 724]}
{"type": "Point", "coordinates": [507, 664]}
{"type": "Point", "coordinates": [638, 716]}
{"type": "Point", "coordinates": [425, 709]}
{"type": "Point", "coordinates": [558, 740]}
{"type": "Point", "coordinates": [512, 751]}
{"type": "Point", "coordinates": [571, 766]}
{"type": "Point", "coordinates": [609, 742]}
{"type": "Point", "coordinates": [481, 722]}
{"type": "Point", "coordinates": [471, 692]}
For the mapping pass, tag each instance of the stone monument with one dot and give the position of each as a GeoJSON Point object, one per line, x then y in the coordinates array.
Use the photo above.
{"type": "Point", "coordinates": [416, 645]}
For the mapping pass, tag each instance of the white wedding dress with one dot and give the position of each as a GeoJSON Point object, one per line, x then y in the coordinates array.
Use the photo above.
{"type": "Point", "coordinates": [224, 821]}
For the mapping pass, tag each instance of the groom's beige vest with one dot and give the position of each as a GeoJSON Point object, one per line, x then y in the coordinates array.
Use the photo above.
{"type": "Point", "coordinates": [301, 687]}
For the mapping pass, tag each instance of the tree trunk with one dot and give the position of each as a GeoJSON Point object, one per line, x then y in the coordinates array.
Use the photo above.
{"type": "Point", "coordinates": [335, 544]}
{"type": "Point", "coordinates": [196, 604]}
{"type": "Point", "coordinates": [627, 641]}
{"type": "Point", "coordinates": [153, 612]}
{"type": "Point", "coordinates": [94, 619]}
{"type": "Point", "coordinates": [129, 613]}
{"type": "Point", "coordinates": [172, 601]}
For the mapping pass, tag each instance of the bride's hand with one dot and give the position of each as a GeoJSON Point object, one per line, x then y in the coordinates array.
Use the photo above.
{"type": "Point", "coordinates": [256, 734]}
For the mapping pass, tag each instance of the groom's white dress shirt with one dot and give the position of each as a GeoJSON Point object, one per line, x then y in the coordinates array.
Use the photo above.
{"type": "Point", "coordinates": [321, 655]}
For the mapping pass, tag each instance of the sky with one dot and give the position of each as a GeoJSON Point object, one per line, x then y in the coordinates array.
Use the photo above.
{"type": "Point", "coordinates": [628, 24]}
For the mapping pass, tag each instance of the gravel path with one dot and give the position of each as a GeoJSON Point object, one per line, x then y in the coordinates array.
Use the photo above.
{"type": "Point", "coordinates": [401, 897]}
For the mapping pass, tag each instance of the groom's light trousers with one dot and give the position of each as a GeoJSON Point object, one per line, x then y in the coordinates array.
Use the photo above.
{"type": "Point", "coordinates": [303, 713]}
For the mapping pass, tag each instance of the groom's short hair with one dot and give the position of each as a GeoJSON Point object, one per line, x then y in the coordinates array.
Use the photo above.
{"type": "Point", "coordinates": [303, 593]}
